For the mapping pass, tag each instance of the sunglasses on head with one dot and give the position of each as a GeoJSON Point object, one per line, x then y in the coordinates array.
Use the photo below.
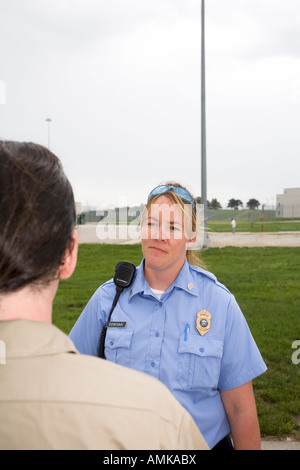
{"type": "Point", "coordinates": [181, 192]}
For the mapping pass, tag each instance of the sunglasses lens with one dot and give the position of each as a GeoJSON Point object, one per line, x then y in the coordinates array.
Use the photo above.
{"type": "Point", "coordinates": [159, 190]}
{"type": "Point", "coordinates": [182, 193]}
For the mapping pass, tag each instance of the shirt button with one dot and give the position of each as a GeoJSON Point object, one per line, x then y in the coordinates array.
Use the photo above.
{"type": "Point", "coordinates": [202, 350]}
{"type": "Point", "coordinates": [157, 334]}
{"type": "Point", "coordinates": [152, 364]}
{"type": "Point", "coordinates": [111, 342]}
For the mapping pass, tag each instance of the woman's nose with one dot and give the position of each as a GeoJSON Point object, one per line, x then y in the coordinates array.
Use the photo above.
{"type": "Point", "coordinates": [160, 233]}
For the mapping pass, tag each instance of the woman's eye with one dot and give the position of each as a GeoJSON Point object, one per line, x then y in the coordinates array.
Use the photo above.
{"type": "Point", "coordinates": [152, 224]}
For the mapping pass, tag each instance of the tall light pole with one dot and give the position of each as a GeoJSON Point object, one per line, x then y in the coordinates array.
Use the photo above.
{"type": "Point", "coordinates": [48, 120]}
{"type": "Point", "coordinates": [203, 123]}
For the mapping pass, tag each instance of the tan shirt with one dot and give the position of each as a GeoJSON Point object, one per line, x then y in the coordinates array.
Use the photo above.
{"type": "Point", "coordinates": [51, 397]}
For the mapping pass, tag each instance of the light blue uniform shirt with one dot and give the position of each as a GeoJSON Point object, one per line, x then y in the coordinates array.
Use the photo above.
{"type": "Point", "coordinates": [156, 341]}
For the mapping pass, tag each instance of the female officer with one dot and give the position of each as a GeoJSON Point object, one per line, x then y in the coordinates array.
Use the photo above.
{"type": "Point", "coordinates": [180, 325]}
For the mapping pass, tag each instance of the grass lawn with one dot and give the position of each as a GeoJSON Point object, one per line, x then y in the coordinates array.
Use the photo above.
{"type": "Point", "coordinates": [265, 282]}
{"type": "Point", "coordinates": [242, 225]}
{"type": "Point", "coordinates": [246, 223]}
{"type": "Point", "coordinates": [249, 221]}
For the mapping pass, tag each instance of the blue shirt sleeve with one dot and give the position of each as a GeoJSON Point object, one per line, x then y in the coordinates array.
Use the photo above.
{"type": "Point", "coordinates": [86, 332]}
{"type": "Point", "coordinates": [241, 360]}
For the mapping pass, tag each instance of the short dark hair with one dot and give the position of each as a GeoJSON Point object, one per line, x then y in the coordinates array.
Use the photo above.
{"type": "Point", "coordinates": [37, 215]}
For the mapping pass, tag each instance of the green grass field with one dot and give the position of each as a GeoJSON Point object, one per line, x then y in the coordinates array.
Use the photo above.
{"type": "Point", "coordinates": [257, 226]}
{"type": "Point", "coordinates": [249, 221]}
{"type": "Point", "coordinates": [265, 282]}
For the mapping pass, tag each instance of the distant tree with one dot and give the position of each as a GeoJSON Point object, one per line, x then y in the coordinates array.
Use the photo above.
{"type": "Point", "coordinates": [214, 204]}
{"type": "Point", "coordinates": [198, 200]}
{"type": "Point", "coordinates": [253, 204]}
{"type": "Point", "coordinates": [234, 203]}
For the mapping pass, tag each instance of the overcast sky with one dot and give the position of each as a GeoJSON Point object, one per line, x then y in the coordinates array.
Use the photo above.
{"type": "Point", "coordinates": [120, 80]}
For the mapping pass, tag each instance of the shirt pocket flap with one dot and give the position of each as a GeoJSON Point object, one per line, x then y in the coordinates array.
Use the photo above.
{"type": "Point", "coordinates": [118, 338]}
{"type": "Point", "coordinates": [196, 344]}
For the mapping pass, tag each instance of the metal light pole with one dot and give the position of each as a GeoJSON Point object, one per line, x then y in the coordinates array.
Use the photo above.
{"type": "Point", "coordinates": [48, 120]}
{"type": "Point", "coordinates": [203, 123]}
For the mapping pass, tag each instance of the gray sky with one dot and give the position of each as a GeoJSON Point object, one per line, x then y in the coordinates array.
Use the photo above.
{"type": "Point", "coordinates": [120, 80]}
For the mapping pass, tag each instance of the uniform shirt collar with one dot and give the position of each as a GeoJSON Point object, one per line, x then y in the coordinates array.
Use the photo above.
{"type": "Point", "coordinates": [183, 281]}
{"type": "Point", "coordinates": [25, 338]}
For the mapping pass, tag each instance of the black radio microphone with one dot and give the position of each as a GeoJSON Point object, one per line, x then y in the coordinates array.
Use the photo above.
{"type": "Point", "coordinates": [124, 273]}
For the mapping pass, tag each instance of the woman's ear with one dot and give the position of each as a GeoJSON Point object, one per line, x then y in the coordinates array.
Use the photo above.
{"type": "Point", "coordinates": [190, 243]}
{"type": "Point", "coordinates": [69, 260]}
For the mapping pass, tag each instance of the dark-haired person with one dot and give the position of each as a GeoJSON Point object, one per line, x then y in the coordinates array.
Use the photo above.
{"type": "Point", "coordinates": [182, 326]}
{"type": "Point", "coordinates": [51, 397]}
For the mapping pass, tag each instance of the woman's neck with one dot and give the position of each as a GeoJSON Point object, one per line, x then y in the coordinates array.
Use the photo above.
{"type": "Point", "coordinates": [159, 280]}
{"type": "Point", "coordinates": [28, 304]}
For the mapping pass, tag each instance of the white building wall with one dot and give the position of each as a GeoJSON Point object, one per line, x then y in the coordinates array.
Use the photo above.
{"type": "Point", "coordinates": [288, 204]}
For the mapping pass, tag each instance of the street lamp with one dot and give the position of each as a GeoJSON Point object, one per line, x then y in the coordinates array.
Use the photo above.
{"type": "Point", "coordinates": [48, 120]}
{"type": "Point", "coordinates": [203, 123]}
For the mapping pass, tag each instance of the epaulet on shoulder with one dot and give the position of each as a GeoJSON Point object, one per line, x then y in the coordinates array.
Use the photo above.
{"type": "Point", "coordinates": [210, 276]}
{"type": "Point", "coordinates": [204, 272]}
{"type": "Point", "coordinates": [108, 283]}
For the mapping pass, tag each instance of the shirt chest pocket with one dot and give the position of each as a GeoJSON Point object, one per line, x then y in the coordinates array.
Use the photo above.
{"type": "Point", "coordinates": [199, 362]}
{"type": "Point", "coordinates": [118, 345]}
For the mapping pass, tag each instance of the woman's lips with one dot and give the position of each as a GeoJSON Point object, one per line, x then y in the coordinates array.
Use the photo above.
{"type": "Point", "coordinates": [156, 248]}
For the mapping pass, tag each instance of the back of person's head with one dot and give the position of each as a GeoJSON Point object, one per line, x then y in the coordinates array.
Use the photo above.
{"type": "Point", "coordinates": [37, 215]}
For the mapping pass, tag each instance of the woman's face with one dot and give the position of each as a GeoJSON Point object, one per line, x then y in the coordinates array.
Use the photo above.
{"type": "Point", "coordinates": [163, 237]}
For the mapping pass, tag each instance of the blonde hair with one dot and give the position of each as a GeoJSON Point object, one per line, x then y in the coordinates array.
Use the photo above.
{"type": "Point", "coordinates": [192, 256]}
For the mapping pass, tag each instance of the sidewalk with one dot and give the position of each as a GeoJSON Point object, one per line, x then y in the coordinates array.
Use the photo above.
{"type": "Point", "coordinates": [247, 239]}
{"type": "Point", "coordinates": [271, 443]}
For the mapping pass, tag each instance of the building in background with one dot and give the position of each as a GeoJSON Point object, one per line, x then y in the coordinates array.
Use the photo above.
{"type": "Point", "coordinates": [288, 204]}
{"type": "Point", "coordinates": [80, 217]}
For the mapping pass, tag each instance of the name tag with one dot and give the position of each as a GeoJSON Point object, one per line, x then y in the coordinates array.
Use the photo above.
{"type": "Point", "coordinates": [117, 324]}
